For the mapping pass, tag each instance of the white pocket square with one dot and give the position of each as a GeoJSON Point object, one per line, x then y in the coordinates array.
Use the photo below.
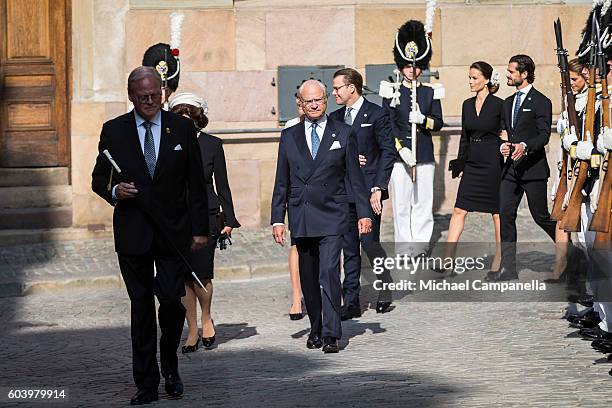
{"type": "Point", "coordinates": [335, 145]}
{"type": "Point", "coordinates": [526, 110]}
{"type": "Point", "coordinates": [366, 124]}
{"type": "Point", "coordinates": [178, 147]}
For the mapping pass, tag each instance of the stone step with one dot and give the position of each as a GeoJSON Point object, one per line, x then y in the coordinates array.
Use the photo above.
{"type": "Point", "coordinates": [35, 218]}
{"type": "Point", "coordinates": [35, 197]}
{"type": "Point", "coordinates": [12, 237]}
{"type": "Point", "coordinates": [46, 176]}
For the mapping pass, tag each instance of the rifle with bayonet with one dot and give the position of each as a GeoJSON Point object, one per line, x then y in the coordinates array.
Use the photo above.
{"type": "Point", "coordinates": [568, 104]}
{"type": "Point", "coordinates": [580, 170]}
{"type": "Point", "coordinates": [602, 218]}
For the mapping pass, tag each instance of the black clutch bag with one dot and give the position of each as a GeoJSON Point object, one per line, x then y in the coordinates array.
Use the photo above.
{"type": "Point", "coordinates": [456, 167]}
{"type": "Point", "coordinates": [223, 240]}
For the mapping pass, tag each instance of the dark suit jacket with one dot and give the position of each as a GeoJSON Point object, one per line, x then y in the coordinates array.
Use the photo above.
{"type": "Point", "coordinates": [213, 160]}
{"type": "Point", "coordinates": [375, 142]}
{"type": "Point", "coordinates": [402, 128]}
{"type": "Point", "coordinates": [532, 128]}
{"type": "Point", "coordinates": [176, 195]}
{"type": "Point", "coordinates": [313, 192]}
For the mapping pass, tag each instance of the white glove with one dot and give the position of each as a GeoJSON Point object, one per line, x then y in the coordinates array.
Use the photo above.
{"type": "Point", "coordinates": [600, 142]}
{"type": "Point", "coordinates": [407, 156]}
{"type": "Point", "coordinates": [607, 138]}
{"type": "Point", "coordinates": [553, 191]}
{"type": "Point", "coordinates": [584, 150]}
{"type": "Point", "coordinates": [561, 125]}
{"type": "Point", "coordinates": [416, 116]}
{"type": "Point", "coordinates": [593, 195]}
{"type": "Point", "coordinates": [569, 138]}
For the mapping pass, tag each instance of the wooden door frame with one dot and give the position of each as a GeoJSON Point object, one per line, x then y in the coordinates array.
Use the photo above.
{"type": "Point", "coordinates": [63, 140]}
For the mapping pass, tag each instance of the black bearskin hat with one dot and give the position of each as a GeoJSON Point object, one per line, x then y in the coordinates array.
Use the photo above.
{"type": "Point", "coordinates": [410, 34]}
{"type": "Point", "coordinates": [605, 27]}
{"type": "Point", "coordinates": [161, 57]}
{"type": "Point", "coordinates": [582, 53]}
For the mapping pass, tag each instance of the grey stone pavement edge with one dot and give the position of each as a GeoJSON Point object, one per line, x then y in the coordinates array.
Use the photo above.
{"type": "Point", "coordinates": [76, 337]}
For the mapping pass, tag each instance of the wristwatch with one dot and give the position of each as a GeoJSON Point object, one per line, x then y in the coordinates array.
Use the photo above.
{"type": "Point", "coordinates": [375, 189]}
{"type": "Point", "coordinates": [525, 146]}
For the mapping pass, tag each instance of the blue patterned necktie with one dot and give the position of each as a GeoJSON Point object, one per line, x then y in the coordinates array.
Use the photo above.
{"type": "Point", "coordinates": [348, 118]}
{"type": "Point", "coordinates": [314, 138]}
{"type": "Point", "coordinates": [149, 148]}
{"type": "Point", "coordinates": [517, 106]}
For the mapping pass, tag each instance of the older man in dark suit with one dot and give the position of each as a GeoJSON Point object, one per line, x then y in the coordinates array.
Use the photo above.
{"type": "Point", "coordinates": [377, 155]}
{"type": "Point", "coordinates": [314, 159]}
{"type": "Point", "coordinates": [527, 117]}
{"type": "Point", "coordinates": [160, 208]}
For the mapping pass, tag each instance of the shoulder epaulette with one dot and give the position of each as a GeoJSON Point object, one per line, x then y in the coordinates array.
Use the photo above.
{"type": "Point", "coordinates": [438, 89]}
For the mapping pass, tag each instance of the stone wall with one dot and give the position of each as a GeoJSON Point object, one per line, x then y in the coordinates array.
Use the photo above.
{"type": "Point", "coordinates": [229, 55]}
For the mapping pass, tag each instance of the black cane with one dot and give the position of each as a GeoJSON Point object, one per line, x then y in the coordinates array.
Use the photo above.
{"type": "Point", "coordinates": [154, 221]}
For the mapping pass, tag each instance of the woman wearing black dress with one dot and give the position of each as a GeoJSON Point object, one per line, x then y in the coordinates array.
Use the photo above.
{"type": "Point", "coordinates": [221, 221]}
{"type": "Point", "coordinates": [479, 150]}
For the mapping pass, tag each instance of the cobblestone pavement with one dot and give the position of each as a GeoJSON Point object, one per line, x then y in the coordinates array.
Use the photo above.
{"type": "Point", "coordinates": [422, 354]}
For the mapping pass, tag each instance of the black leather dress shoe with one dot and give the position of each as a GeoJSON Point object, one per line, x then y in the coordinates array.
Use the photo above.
{"type": "Point", "coordinates": [382, 307]}
{"type": "Point", "coordinates": [314, 341]}
{"type": "Point", "coordinates": [174, 384]}
{"type": "Point", "coordinates": [595, 334]}
{"type": "Point", "coordinates": [585, 323]}
{"type": "Point", "coordinates": [503, 274]}
{"type": "Point", "coordinates": [347, 313]}
{"type": "Point", "coordinates": [603, 346]}
{"type": "Point", "coordinates": [586, 300]}
{"type": "Point", "coordinates": [586, 313]}
{"type": "Point", "coordinates": [144, 396]}
{"type": "Point", "coordinates": [330, 345]}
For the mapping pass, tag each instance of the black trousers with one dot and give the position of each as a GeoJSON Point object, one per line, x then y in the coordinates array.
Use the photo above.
{"type": "Point", "coordinates": [169, 286]}
{"type": "Point", "coordinates": [319, 259]}
{"type": "Point", "coordinates": [510, 194]}
{"type": "Point", "coordinates": [351, 243]}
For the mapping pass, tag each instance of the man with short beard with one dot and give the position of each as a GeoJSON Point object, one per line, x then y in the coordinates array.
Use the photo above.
{"type": "Point", "coordinates": [526, 117]}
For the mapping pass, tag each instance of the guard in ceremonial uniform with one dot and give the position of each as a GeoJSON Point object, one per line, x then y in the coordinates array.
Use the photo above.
{"type": "Point", "coordinates": [165, 59]}
{"type": "Point", "coordinates": [413, 173]}
{"type": "Point", "coordinates": [595, 323]}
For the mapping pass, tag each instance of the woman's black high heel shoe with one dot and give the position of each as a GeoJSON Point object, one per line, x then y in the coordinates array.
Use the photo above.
{"type": "Point", "coordinates": [208, 342]}
{"type": "Point", "coordinates": [297, 316]}
{"type": "Point", "coordinates": [190, 349]}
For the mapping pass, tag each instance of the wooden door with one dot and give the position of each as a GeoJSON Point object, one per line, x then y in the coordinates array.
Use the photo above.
{"type": "Point", "coordinates": [34, 83]}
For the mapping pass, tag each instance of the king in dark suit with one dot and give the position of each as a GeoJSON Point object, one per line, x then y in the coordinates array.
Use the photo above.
{"type": "Point", "coordinates": [315, 159]}
{"type": "Point", "coordinates": [377, 155]}
{"type": "Point", "coordinates": [526, 117]}
{"type": "Point", "coordinates": [163, 201]}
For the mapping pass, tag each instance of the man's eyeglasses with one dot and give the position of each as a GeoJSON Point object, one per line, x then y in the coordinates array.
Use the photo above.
{"type": "Point", "coordinates": [146, 98]}
{"type": "Point", "coordinates": [318, 101]}
{"type": "Point", "coordinates": [337, 88]}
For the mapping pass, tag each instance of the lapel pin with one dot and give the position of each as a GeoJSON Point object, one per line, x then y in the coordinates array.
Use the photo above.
{"type": "Point", "coordinates": [167, 131]}
{"type": "Point", "coordinates": [333, 135]}
{"type": "Point", "coordinates": [365, 115]}
{"type": "Point", "coordinates": [529, 98]}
